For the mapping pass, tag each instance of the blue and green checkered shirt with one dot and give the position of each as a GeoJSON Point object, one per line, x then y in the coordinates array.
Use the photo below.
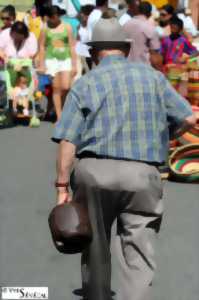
{"type": "Point", "coordinates": [121, 110]}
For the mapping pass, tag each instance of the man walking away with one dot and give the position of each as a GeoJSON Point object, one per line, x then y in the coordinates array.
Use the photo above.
{"type": "Point", "coordinates": [115, 120]}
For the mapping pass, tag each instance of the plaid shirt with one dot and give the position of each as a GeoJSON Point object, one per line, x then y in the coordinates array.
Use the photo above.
{"type": "Point", "coordinates": [120, 110]}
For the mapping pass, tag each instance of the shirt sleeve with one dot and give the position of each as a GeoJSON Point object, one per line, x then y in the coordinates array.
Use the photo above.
{"type": "Point", "coordinates": [32, 45]}
{"type": "Point", "coordinates": [155, 41]}
{"type": "Point", "coordinates": [177, 108]}
{"type": "Point", "coordinates": [71, 123]}
{"type": "Point", "coordinates": [190, 27]}
{"type": "Point", "coordinates": [3, 39]}
{"type": "Point", "coordinates": [189, 48]}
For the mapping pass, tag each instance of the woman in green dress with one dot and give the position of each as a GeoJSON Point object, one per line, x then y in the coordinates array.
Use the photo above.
{"type": "Point", "coordinates": [57, 55]}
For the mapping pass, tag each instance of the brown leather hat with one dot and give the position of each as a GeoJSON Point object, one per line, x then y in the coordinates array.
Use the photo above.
{"type": "Point", "coordinates": [70, 227]}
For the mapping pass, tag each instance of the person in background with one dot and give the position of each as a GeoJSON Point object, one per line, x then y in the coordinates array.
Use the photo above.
{"type": "Point", "coordinates": [115, 120]}
{"type": "Point", "coordinates": [95, 16]}
{"type": "Point", "coordinates": [8, 16]}
{"type": "Point", "coordinates": [194, 6]}
{"type": "Point", "coordinates": [83, 36]}
{"type": "Point", "coordinates": [41, 6]}
{"type": "Point", "coordinates": [34, 22]}
{"type": "Point", "coordinates": [166, 13]}
{"type": "Point", "coordinates": [57, 56]}
{"type": "Point", "coordinates": [176, 48]}
{"type": "Point", "coordinates": [72, 8]}
{"type": "Point", "coordinates": [83, 32]}
{"type": "Point", "coordinates": [145, 40]}
{"type": "Point", "coordinates": [20, 94]}
{"type": "Point", "coordinates": [17, 42]}
{"type": "Point", "coordinates": [189, 26]}
{"type": "Point", "coordinates": [132, 10]}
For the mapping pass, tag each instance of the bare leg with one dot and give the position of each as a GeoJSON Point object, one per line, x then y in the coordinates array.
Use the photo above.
{"type": "Point", "coordinates": [26, 103]}
{"type": "Point", "coordinates": [14, 105]}
{"type": "Point", "coordinates": [65, 82]}
{"type": "Point", "coordinates": [57, 96]}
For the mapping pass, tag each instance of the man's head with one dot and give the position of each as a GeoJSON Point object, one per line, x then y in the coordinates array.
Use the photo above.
{"type": "Point", "coordinates": [19, 32]}
{"type": "Point", "coordinates": [166, 13]}
{"type": "Point", "coordinates": [176, 27]}
{"type": "Point", "coordinates": [109, 13]}
{"type": "Point", "coordinates": [85, 12]}
{"type": "Point", "coordinates": [8, 16]}
{"type": "Point", "coordinates": [53, 14]}
{"type": "Point", "coordinates": [22, 81]}
{"type": "Point", "coordinates": [145, 9]}
{"type": "Point", "coordinates": [101, 3]}
{"type": "Point", "coordinates": [133, 6]}
{"type": "Point", "coordinates": [108, 39]}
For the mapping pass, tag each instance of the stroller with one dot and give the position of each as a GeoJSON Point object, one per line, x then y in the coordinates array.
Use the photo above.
{"type": "Point", "coordinates": [5, 115]}
{"type": "Point", "coordinates": [23, 100]}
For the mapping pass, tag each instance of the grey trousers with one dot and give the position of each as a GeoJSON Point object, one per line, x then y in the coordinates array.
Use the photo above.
{"type": "Point", "coordinates": [130, 193]}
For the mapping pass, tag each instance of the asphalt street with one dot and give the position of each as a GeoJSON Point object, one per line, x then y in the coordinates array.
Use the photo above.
{"type": "Point", "coordinates": [27, 255]}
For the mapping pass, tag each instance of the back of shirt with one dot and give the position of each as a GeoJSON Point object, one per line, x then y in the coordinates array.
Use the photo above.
{"type": "Point", "coordinates": [144, 38]}
{"type": "Point", "coordinates": [120, 110]}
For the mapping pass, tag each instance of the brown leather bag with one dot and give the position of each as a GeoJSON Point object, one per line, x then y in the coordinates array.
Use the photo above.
{"type": "Point", "coordinates": [70, 227]}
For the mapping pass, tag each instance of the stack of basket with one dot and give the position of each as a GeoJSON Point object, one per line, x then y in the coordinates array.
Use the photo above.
{"type": "Point", "coordinates": [184, 161]}
{"type": "Point", "coordinates": [193, 82]}
{"type": "Point", "coordinates": [176, 74]}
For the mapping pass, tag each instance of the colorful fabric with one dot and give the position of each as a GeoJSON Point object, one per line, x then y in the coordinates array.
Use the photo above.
{"type": "Point", "coordinates": [57, 45]}
{"type": "Point", "coordinates": [193, 87]}
{"type": "Point", "coordinates": [35, 25]}
{"type": "Point", "coordinates": [173, 50]}
{"type": "Point", "coordinates": [178, 76]}
{"type": "Point", "coordinates": [120, 110]}
{"type": "Point", "coordinates": [73, 22]}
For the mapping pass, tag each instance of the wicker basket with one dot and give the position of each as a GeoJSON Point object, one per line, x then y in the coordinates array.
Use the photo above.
{"type": "Point", "coordinates": [191, 136]}
{"type": "Point", "coordinates": [184, 163]}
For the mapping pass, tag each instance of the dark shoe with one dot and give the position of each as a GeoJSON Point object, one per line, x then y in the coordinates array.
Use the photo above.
{"type": "Point", "coordinates": [80, 292]}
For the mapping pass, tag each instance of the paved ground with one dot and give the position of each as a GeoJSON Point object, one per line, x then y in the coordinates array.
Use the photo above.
{"type": "Point", "coordinates": [27, 256]}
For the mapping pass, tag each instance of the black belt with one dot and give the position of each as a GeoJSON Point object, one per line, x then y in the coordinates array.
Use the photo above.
{"type": "Point", "coordinates": [89, 154]}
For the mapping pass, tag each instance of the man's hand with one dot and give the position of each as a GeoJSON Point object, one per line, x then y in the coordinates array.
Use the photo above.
{"type": "Point", "coordinates": [185, 126]}
{"type": "Point", "coordinates": [63, 196]}
{"type": "Point", "coordinates": [4, 57]}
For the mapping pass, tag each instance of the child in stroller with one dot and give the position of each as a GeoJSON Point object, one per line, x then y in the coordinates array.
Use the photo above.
{"type": "Point", "coordinates": [22, 87]}
{"type": "Point", "coordinates": [20, 94]}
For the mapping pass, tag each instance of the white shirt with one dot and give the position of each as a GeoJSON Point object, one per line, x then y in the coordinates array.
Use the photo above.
{"type": "Point", "coordinates": [124, 19]}
{"type": "Point", "coordinates": [94, 17]}
{"type": "Point", "coordinates": [189, 25]}
{"type": "Point", "coordinates": [81, 47]}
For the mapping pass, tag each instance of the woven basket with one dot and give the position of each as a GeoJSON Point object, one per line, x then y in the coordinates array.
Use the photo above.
{"type": "Point", "coordinates": [191, 136]}
{"type": "Point", "coordinates": [184, 163]}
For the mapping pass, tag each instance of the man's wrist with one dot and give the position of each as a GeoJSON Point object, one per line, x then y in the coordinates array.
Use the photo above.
{"type": "Point", "coordinates": [61, 186]}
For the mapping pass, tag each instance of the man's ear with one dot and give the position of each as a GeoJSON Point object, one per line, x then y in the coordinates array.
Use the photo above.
{"type": "Point", "coordinates": [127, 50]}
{"type": "Point", "coordinates": [94, 55]}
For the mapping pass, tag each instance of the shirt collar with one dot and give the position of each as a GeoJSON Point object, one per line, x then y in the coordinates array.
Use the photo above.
{"type": "Point", "coordinates": [141, 17]}
{"type": "Point", "coordinates": [112, 58]}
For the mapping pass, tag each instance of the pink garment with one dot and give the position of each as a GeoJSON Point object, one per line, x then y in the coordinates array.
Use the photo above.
{"type": "Point", "coordinates": [28, 50]}
{"type": "Point", "coordinates": [144, 38]}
